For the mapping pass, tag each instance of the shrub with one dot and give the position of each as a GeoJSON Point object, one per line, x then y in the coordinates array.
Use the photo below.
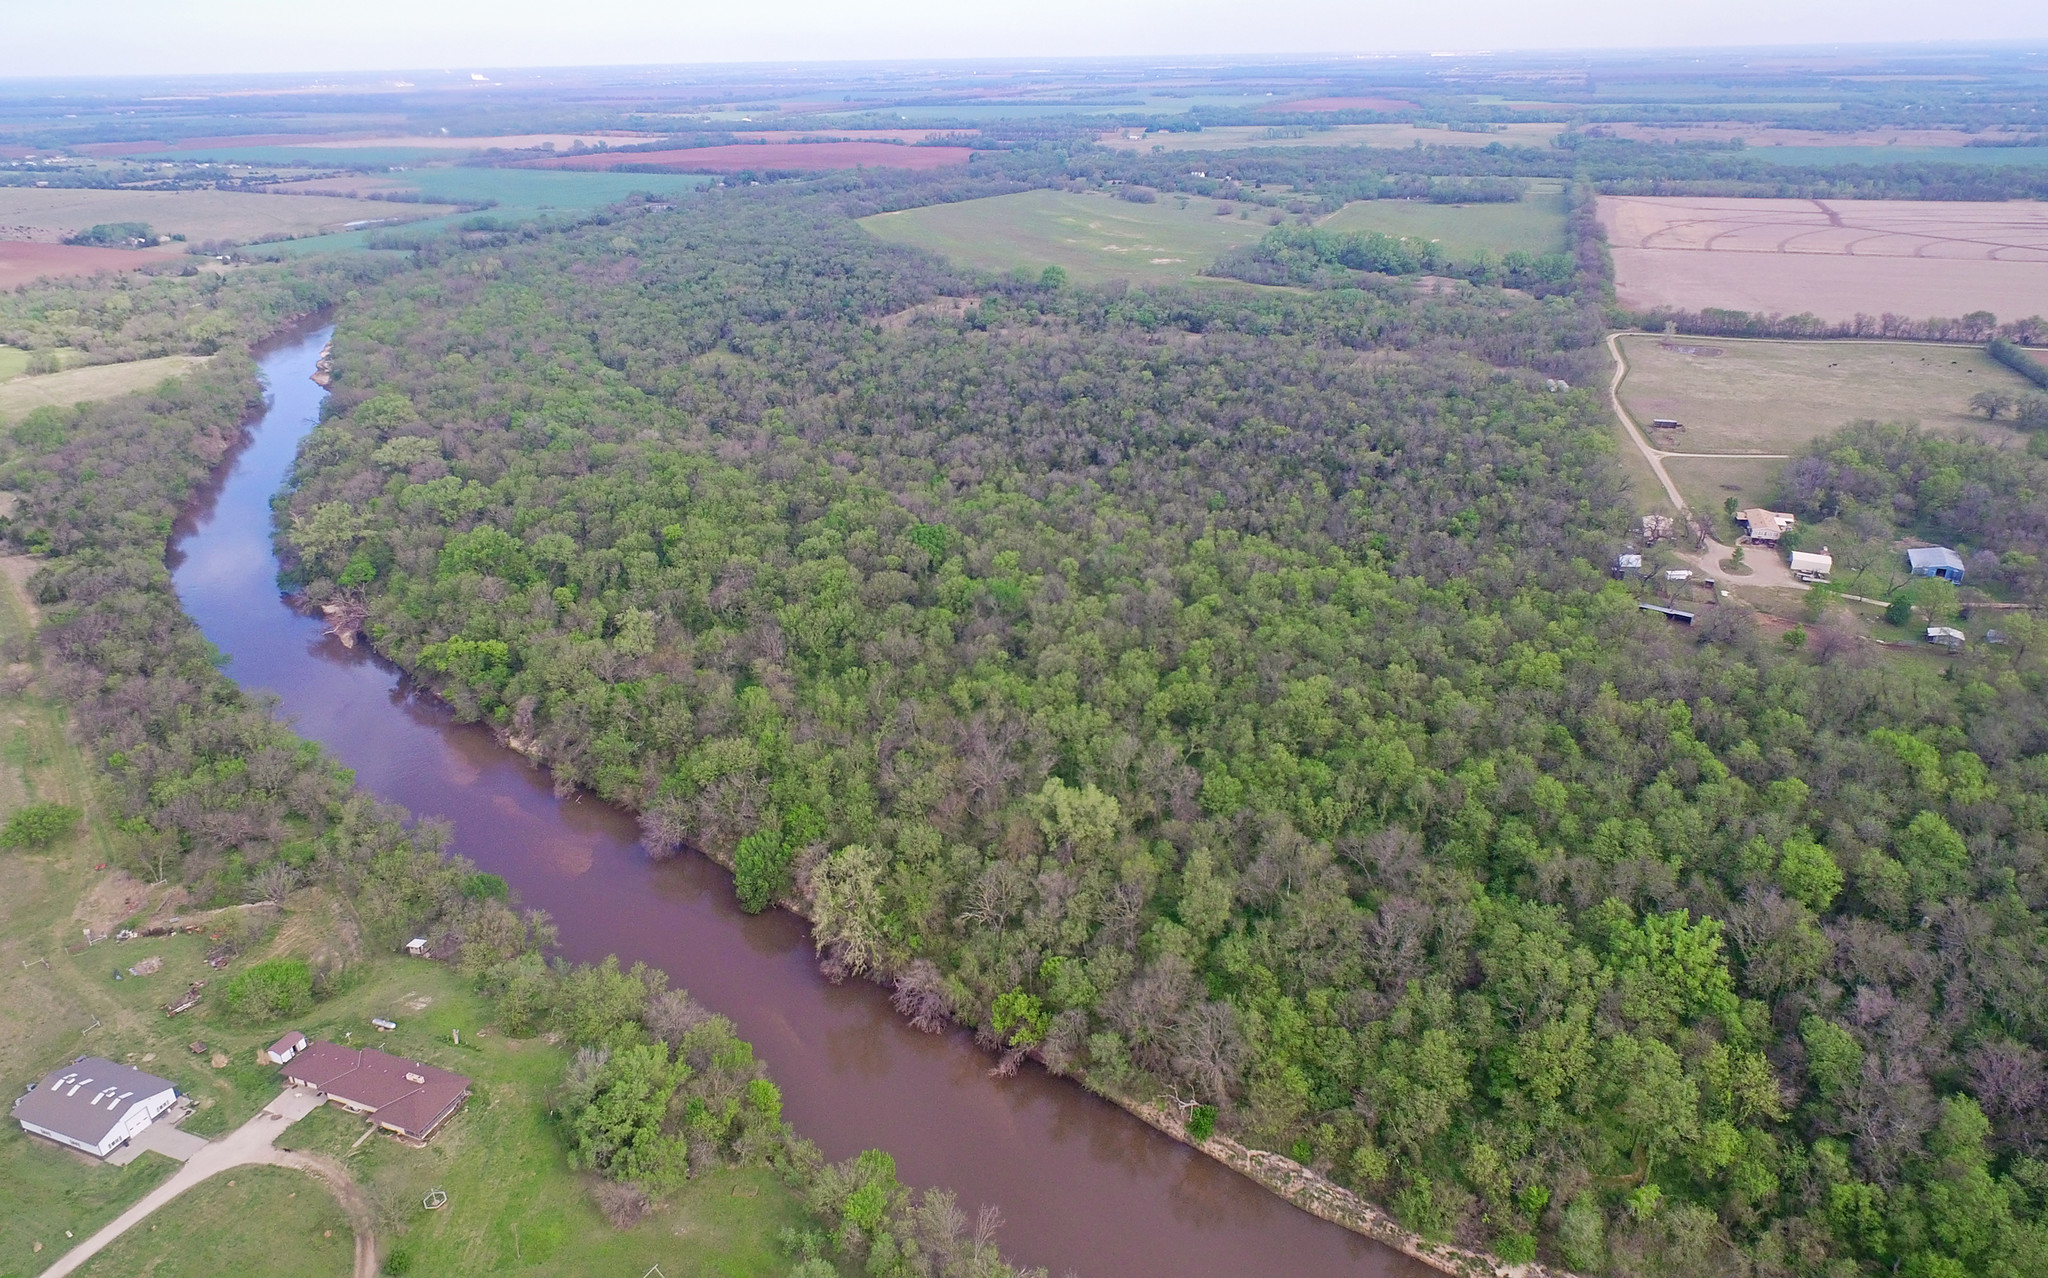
{"type": "Point", "coordinates": [39, 825]}
{"type": "Point", "coordinates": [269, 990]}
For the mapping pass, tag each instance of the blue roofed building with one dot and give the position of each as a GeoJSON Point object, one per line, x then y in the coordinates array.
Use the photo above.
{"type": "Point", "coordinates": [1936, 561]}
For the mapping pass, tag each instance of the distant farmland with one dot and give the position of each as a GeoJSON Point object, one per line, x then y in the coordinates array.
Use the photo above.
{"type": "Point", "coordinates": [1464, 231]}
{"type": "Point", "coordinates": [51, 213]}
{"type": "Point", "coordinates": [767, 155]}
{"type": "Point", "coordinates": [1230, 137]}
{"type": "Point", "coordinates": [1833, 258]}
{"type": "Point", "coordinates": [1094, 238]}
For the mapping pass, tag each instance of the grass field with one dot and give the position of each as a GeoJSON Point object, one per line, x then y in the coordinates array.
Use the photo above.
{"type": "Point", "coordinates": [1231, 137]}
{"type": "Point", "coordinates": [272, 1222]}
{"type": "Point", "coordinates": [2030, 155]}
{"type": "Point", "coordinates": [1095, 238]}
{"type": "Point", "coordinates": [53, 212]}
{"type": "Point", "coordinates": [93, 382]}
{"type": "Point", "coordinates": [1708, 482]}
{"type": "Point", "coordinates": [13, 362]}
{"type": "Point", "coordinates": [521, 194]}
{"type": "Point", "coordinates": [1773, 397]}
{"type": "Point", "coordinates": [1534, 225]}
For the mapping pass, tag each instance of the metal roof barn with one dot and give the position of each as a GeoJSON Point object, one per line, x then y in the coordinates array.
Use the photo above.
{"type": "Point", "coordinates": [93, 1104]}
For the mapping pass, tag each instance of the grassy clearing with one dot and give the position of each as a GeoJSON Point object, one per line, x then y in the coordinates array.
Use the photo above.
{"type": "Point", "coordinates": [93, 382]}
{"type": "Point", "coordinates": [1231, 137]}
{"type": "Point", "coordinates": [1534, 225]}
{"type": "Point", "coordinates": [512, 1199]}
{"type": "Point", "coordinates": [1094, 238]}
{"type": "Point", "coordinates": [13, 362]}
{"type": "Point", "coordinates": [254, 1221]}
{"type": "Point", "coordinates": [1774, 397]}
{"type": "Point", "coordinates": [197, 215]}
{"type": "Point", "coordinates": [1708, 482]}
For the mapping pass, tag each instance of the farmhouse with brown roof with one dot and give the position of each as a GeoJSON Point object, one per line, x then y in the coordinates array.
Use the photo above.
{"type": "Point", "coordinates": [411, 1098]}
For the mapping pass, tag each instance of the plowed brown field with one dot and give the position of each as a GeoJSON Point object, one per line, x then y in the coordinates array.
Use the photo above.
{"type": "Point", "coordinates": [21, 262]}
{"type": "Point", "coordinates": [1833, 258]}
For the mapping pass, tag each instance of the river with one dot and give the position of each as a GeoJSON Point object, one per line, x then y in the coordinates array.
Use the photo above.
{"type": "Point", "coordinates": [1083, 1186]}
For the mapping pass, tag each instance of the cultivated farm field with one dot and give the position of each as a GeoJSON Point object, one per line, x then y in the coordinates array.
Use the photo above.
{"type": "Point", "coordinates": [22, 261]}
{"type": "Point", "coordinates": [1741, 396]}
{"type": "Point", "coordinates": [1092, 237]}
{"type": "Point", "coordinates": [1832, 258]}
{"type": "Point", "coordinates": [48, 214]}
{"type": "Point", "coordinates": [1534, 225]}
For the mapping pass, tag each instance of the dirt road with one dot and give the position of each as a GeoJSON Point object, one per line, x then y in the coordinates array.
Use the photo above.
{"type": "Point", "coordinates": [254, 1142]}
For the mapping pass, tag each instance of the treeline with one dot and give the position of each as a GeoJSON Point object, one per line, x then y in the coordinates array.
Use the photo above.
{"type": "Point", "coordinates": [1214, 696]}
{"type": "Point", "coordinates": [1309, 257]}
{"type": "Point", "coordinates": [1974, 327]}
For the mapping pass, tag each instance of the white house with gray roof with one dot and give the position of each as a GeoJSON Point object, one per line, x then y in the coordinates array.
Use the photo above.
{"type": "Point", "coordinates": [93, 1104]}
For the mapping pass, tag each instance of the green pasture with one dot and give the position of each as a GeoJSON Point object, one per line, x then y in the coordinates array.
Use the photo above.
{"type": "Point", "coordinates": [1879, 155]}
{"type": "Point", "coordinates": [1533, 225]}
{"type": "Point", "coordinates": [1093, 237]}
{"type": "Point", "coordinates": [254, 1222]}
{"type": "Point", "coordinates": [521, 194]}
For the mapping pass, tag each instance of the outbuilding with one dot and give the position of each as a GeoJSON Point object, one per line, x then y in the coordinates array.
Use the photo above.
{"type": "Point", "coordinates": [1946, 636]}
{"type": "Point", "coordinates": [1936, 561]}
{"type": "Point", "coordinates": [286, 1048]}
{"type": "Point", "coordinates": [1812, 567]}
{"type": "Point", "coordinates": [94, 1105]}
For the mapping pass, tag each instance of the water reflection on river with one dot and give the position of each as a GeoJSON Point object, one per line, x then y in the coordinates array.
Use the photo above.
{"type": "Point", "coordinates": [1084, 1186]}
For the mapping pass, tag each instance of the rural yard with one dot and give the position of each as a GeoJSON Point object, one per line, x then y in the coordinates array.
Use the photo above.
{"type": "Point", "coordinates": [1831, 258]}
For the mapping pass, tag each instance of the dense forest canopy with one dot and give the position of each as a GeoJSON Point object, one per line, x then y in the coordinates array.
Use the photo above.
{"type": "Point", "coordinates": [1213, 694]}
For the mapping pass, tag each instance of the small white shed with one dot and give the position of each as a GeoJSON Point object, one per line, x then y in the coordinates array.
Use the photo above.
{"type": "Point", "coordinates": [286, 1048]}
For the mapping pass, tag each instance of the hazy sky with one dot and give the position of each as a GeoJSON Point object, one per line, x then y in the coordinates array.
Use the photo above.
{"type": "Point", "coordinates": [85, 37]}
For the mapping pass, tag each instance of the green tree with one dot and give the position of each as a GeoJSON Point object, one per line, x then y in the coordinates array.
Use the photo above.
{"type": "Point", "coordinates": [39, 825]}
{"type": "Point", "coordinates": [268, 990]}
{"type": "Point", "coordinates": [616, 1126]}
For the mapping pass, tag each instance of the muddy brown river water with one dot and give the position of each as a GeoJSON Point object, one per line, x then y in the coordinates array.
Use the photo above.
{"type": "Point", "coordinates": [1083, 1186]}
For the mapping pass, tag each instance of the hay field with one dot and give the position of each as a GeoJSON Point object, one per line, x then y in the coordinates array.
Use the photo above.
{"type": "Point", "coordinates": [1833, 258]}
{"type": "Point", "coordinates": [48, 214]}
{"type": "Point", "coordinates": [96, 381]}
{"type": "Point", "coordinates": [1740, 396]}
{"type": "Point", "coordinates": [1093, 237]}
{"type": "Point", "coordinates": [1535, 225]}
{"type": "Point", "coordinates": [1231, 137]}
